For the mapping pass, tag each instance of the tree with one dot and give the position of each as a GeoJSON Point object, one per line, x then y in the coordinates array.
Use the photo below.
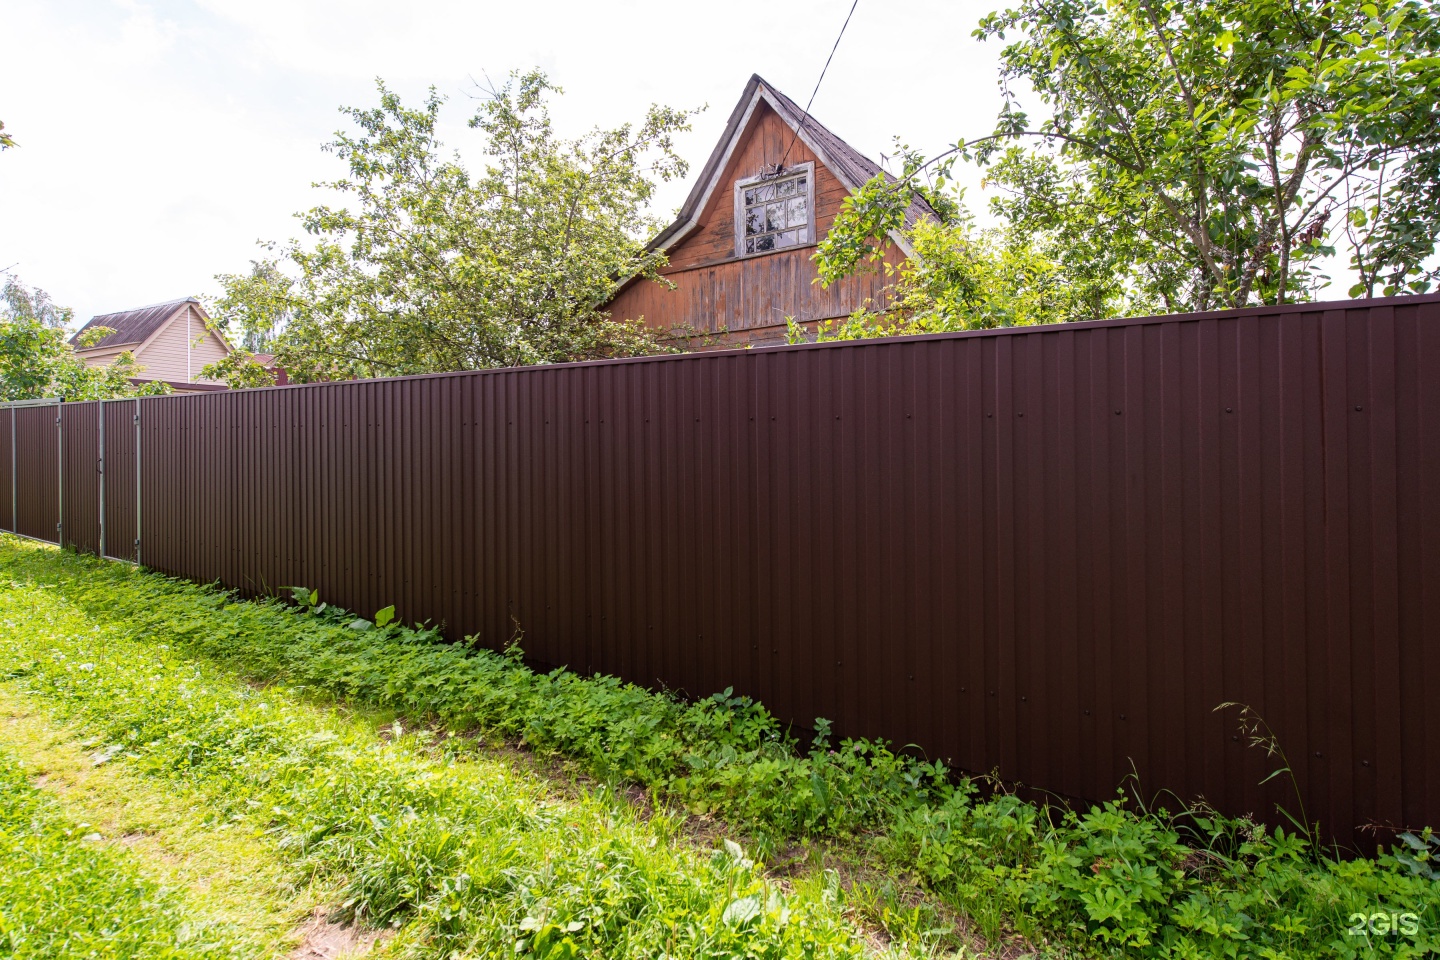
{"type": "Point", "coordinates": [964, 276]}
{"type": "Point", "coordinates": [432, 269]}
{"type": "Point", "coordinates": [255, 307]}
{"type": "Point", "coordinates": [36, 361]}
{"type": "Point", "coordinates": [6, 141]}
{"type": "Point", "coordinates": [1224, 145]}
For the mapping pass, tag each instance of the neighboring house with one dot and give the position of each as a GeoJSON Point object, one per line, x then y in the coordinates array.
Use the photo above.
{"type": "Point", "coordinates": [740, 249]}
{"type": "Point", "coordinates": [171, 341]}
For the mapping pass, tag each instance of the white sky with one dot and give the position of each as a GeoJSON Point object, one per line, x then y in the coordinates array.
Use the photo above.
{"type": "Point", "coordinates": [160, 140]}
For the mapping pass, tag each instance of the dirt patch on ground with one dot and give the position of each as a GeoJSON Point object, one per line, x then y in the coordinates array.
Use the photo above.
{"type": "Point", "coordinates": [324, 939]}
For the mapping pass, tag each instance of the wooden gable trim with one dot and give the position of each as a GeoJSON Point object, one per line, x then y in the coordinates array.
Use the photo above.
{"type": "Point", "coordinates": [700, 196]}
{"type": "Point", "coordinates": [715, 168]}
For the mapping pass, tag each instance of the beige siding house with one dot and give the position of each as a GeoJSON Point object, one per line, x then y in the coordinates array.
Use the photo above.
{"type": "Point", "coordinates": [171, 341]}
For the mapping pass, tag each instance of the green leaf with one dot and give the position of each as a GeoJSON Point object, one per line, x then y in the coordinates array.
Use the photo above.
{"type": "Point", "coordinates": [740, 912]}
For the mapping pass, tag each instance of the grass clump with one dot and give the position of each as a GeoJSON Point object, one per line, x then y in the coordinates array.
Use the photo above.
{"type": "Point", "coordinates": [62, 895]}
{"type": "Point", "coordinates": [1113, 880]}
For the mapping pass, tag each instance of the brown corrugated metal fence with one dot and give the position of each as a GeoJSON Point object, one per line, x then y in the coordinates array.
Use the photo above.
{"type": "Point", "coordinates": [1048, 551]}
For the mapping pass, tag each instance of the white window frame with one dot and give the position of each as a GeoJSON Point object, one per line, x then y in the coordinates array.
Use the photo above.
{"type": "Point", "coordinates": [806, 169]}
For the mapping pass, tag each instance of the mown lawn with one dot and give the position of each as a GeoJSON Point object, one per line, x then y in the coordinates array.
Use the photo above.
{"type": "Point", "coordinates": [372, 767]}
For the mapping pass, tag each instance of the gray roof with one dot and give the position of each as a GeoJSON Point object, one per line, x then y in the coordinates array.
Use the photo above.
{"type": "Point", "coordinates": [849, 165]}
{"type": "Point", "coordinates": [132, 327]}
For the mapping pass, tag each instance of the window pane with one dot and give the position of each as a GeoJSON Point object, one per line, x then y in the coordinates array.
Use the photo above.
{"type": "Point", "coordinates": [755, 220]}
{"type": "Point", "coordinates": [766, 242]}
{"type": "Point", "coordinates": [767, 192]}
{"type": "Point", "coordinates": [787, 239]}
{"type": "Point", "coordinates": [800, 186]}
{"type": "Point", "coordinates": [775, 216]}
{"type": "Point", "coordinates": [787, 189]}
{"type": "Point", "coordinates": [750, 245]}
{"type": "Point", "coordinates": [797, 211]}
{"type": "Point", "coordinates": [749, 197]}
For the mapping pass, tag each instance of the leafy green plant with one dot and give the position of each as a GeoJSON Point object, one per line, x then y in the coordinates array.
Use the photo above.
{"type": "Point", "coordinates": [466, 855]}
{"type": "Point", "coordinates": [1421, 853]}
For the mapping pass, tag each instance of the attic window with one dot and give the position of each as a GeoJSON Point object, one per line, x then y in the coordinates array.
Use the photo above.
{"type": "Point", "coordinates": [775, 212]}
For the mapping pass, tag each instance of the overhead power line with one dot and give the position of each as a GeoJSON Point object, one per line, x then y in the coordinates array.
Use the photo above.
{"type": "Point", "coordinates": [811, 101]}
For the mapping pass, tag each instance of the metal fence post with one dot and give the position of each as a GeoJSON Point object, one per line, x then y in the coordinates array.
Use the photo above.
{"type": "Point", "coordinates": [14, 496]}
{"type": "Point", "coordinates": [137, 481]}
{"type": "Point", "coordinates": [59, 477]}
{"type": "Point", "coordinates": [102, 478]}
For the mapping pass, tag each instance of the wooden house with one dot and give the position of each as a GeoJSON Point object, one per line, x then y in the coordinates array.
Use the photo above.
{"type": "Point", "coordinates": [172, 341]}
{"type": "Point", "coordinates": [740, 250]}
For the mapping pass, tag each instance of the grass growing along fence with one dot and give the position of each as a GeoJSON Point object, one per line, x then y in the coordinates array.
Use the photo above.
{"type": "Point", "coordinates": [1112, 879]}
{"type": "Point", "coordinates": [468, 857]}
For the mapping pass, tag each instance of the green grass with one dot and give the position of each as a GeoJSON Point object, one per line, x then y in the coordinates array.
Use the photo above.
{"type": "Point", "coordinates": [62, 895]}
{"type": "Point", "coordinates": [1109, 881]}
{"type": "Point", "coordinates": [463, 854]}
{"type": "Point", "coordinates": [229, 874]}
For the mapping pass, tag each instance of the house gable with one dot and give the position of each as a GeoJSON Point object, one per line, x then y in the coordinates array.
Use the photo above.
{"type": "Point", "coordinates": [170, 341]}
{"type": "Point", "coordinates": [727, 297]}
{"type": "Point", "coordinates": [181, 347]}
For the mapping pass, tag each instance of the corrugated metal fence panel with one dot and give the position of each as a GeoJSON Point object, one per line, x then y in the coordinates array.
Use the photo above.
{"type": "Point", "coordinates": [80, 459]}
{"type": "Point", "coordinates": [7, 500]}
{"type": "Point", "coordinates": [1052, 551]}
{"type": "Point", "coordinates": [37, 481]}
{"type": "Point", "coordinates": [120, 532]}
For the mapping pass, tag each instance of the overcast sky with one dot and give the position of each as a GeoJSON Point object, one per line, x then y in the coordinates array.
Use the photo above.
{"type": "Point", "coordinates": [159, 141]}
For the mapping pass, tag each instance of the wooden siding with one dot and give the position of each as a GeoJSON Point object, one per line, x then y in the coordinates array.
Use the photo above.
{"type": "Point", "coordinates": [164, 357]}
{"type": "Point", "coordinates": [716, 292]}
